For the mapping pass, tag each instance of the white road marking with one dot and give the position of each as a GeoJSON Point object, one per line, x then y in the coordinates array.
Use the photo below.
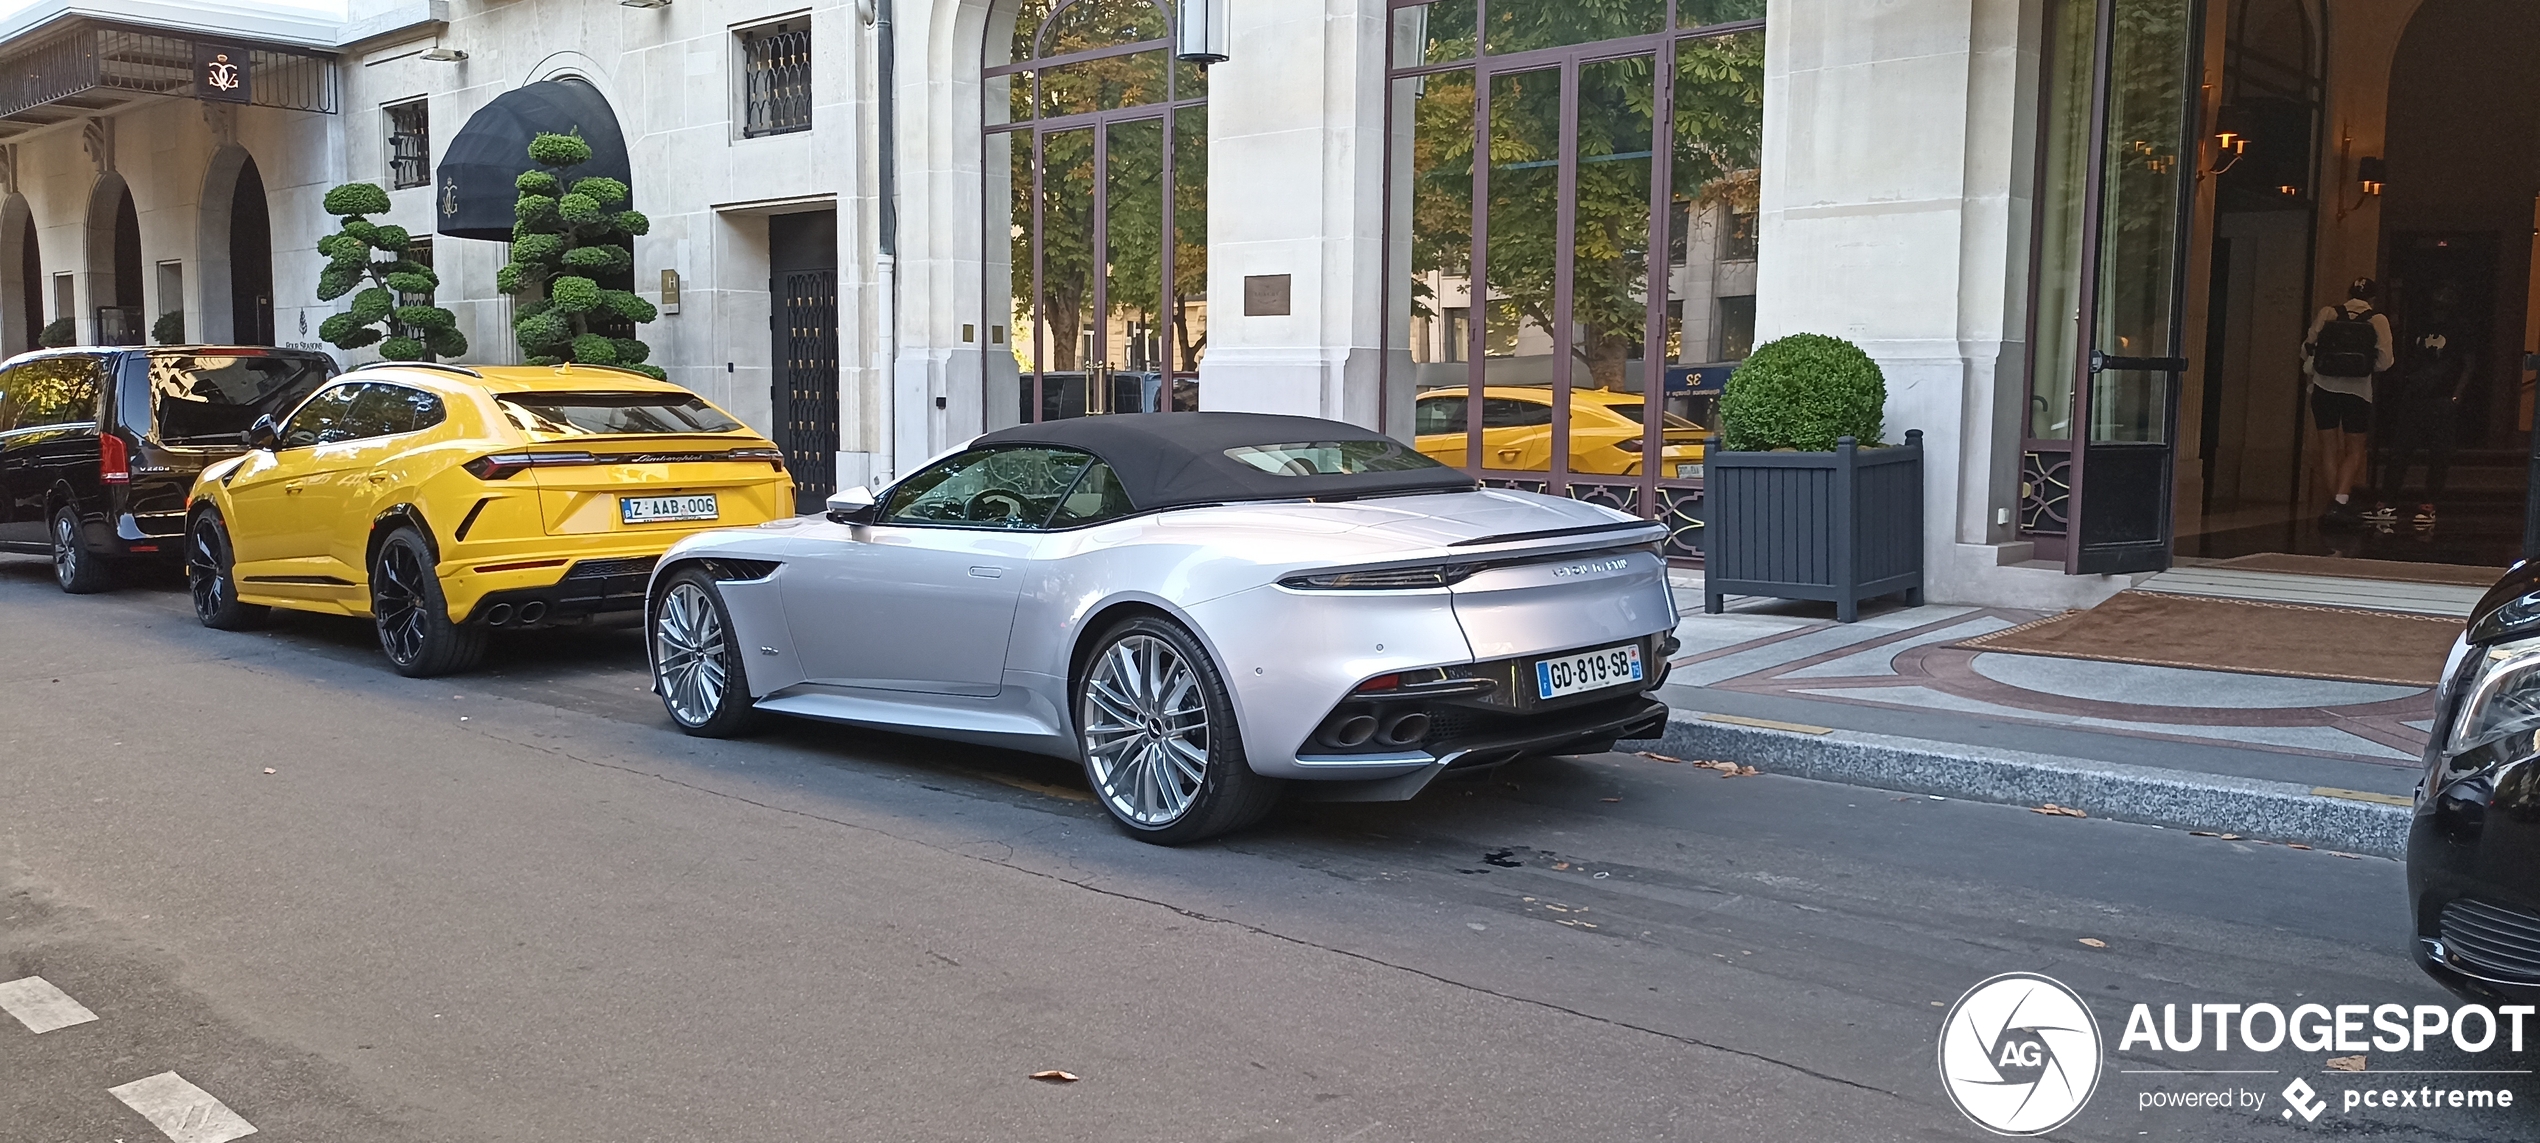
{"type": "Point", "coordinates": [40, 1006]}
{"type": "Point", "coordinates": [184, 1112]}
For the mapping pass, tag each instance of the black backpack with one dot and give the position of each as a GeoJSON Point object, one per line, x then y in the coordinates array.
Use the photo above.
{"type": "Point", "coordinates": [2347, 346]}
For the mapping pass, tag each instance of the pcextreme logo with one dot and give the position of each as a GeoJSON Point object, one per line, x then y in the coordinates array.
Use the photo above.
{"type": "Point", "coordinates": [2020, 1054]}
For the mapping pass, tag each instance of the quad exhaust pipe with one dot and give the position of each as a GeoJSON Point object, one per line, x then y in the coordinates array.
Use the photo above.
{"type": "Point", "coordinates": [497, 615]}
{"type": "Point", "coordinates": [1405, 728]}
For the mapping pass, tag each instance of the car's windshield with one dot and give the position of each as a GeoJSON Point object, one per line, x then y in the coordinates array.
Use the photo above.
{"type": "Point", "coordinates": [613, 414]}
{"type": "Point", "coordinates": [1326, 458]}
{"type": "Point", "coordinates": [211, 398]}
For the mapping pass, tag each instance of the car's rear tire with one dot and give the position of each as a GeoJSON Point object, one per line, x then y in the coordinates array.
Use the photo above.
{"type": "Point", "coordinates": [1157, 734]}
{"type": "Point", "coordinates": [412, 615]}
{"type": "Point", "coordinates": [78, 570]}
{"type": "Point", "coordinates": [697, 667]}
{"type": "Point", "coordinates": [210, 575]}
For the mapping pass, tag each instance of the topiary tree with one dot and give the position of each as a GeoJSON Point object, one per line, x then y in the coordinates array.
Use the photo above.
{"type": "Point", "coordinates": [169, 329]}
{"type": "Point", "coordinates": [57, 333]}
{"type": "Point", "coordinates": [570, 235]}
{"type": "Point", "coordinates": [1802, 392]}
{"type": "Point", "coordinates": [375, 315]}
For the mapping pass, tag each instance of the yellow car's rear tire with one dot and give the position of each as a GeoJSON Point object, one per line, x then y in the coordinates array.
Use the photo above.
{"type": "Point", "coordinates": [412, 615]}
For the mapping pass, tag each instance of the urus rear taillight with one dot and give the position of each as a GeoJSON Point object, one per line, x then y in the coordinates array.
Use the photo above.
{"type": "Point", "coordinates": [114, 462]}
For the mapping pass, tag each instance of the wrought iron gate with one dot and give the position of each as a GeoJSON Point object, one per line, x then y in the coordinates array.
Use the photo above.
{"type": "Point", "coordinates": [807, 381]}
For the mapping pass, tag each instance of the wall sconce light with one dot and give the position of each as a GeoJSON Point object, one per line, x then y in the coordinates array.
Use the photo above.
{"type": "Point", "coordinates": [2229, 146]}
{"type": "Point", "coordinates": [1199, 32]}
{"type": "Point", "coordinates": [444, 55]}
{"type": "Point", "coordinates": [2369, 171]}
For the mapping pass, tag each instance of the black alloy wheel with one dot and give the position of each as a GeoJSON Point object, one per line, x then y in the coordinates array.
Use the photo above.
{"type": "Point", "coordinates": [1158, 737]}
{"type": "Point", "coordinates": [415, 629]}
{"type": "Point", "coordinates": [209, 574]}
{"type": "Point", "coordinates": [697, 668]}
{"type": "Point", "coordinates": [79, 571]}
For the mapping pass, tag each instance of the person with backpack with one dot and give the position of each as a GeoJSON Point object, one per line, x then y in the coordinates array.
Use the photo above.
{"type": "Point", "coordinates": [2347, 345]}
{"type": "Point", "coordinates": [2427, 414]}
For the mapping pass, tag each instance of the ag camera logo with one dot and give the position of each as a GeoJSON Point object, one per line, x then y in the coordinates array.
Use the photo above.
{"type": "Point", "coordinates": [2020, 1054]}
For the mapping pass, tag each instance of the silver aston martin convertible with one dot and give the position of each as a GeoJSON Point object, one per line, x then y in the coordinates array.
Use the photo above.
{"type": "Point", "coordinates": [1203, 608]}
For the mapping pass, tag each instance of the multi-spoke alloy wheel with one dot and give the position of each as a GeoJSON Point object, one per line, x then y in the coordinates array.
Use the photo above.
{"type": "Point", "coordinates": [1159, 738]}
{"type": "Point", "coordinates": [74, 568]}
{"type": "Point", "coordinates": [208, 573]}
{"type": "Point", "coordinates": [696, 666]}
{"type": "Point", "coordinates": [413, 618]}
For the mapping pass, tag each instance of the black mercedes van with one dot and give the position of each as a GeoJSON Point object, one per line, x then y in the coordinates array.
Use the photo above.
{"type": "Point", "coordinates": [99, 446]}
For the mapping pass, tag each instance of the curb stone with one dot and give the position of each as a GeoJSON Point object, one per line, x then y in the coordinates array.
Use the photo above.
{"type": "Point", "coordinates": [2275, 811]}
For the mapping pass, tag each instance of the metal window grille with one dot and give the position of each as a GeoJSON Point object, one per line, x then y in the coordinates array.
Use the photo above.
{"type": "Point", "coordinates": [775, 80]}
{"type": "Point", "coordinates": [409, 145]}
{"type": "Point", "coordinates": [418, 250]}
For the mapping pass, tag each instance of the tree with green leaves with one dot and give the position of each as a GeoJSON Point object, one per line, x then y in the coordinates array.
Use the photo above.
{"type": "Point", "coordinates": [570, 235]}
{"type": "Point", "coordinates": [408, 331]}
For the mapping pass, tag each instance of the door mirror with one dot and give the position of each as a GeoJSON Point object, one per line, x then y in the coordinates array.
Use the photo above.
{"type": "Point", "coordinates": [264, 434]}
{"type": "Point", "coordinates": [853, 506]}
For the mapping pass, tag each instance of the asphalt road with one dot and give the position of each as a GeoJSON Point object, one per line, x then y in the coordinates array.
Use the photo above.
{"type": "Point", "coordinates": [517, 906]}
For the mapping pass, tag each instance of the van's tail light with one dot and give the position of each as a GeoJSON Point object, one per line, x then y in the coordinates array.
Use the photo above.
{"type": "Point", "coordinates": [505, 465]}
{"type": "Point", "coordinates": [114, 462]}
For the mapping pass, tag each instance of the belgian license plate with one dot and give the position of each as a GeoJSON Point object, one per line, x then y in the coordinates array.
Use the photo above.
{"type": "Point", "coordinates": [651, 509]}
{"type": "Point", "coordinates": [1587, 671]}
{"type": "Point", "coordinates": [1688, 471]}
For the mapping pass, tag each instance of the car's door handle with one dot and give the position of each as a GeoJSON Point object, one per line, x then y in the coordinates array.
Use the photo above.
{"type": "Point", "coordinates": [987, 572]}
{"type": "Point", "coordinates": [379, 477]}
{"type": "Point", "coordinates": [1508, 454]}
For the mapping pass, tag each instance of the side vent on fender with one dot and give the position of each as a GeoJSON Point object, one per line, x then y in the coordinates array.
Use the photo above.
{"type": "Point", "coordinates": [741, 571]}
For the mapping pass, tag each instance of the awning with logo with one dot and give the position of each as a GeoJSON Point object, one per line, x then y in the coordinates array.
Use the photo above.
{"type": "Point", "coordinates": [472, 188]}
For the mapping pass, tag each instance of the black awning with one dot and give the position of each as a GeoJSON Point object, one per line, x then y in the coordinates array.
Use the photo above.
{"type": "Point", "coordinates": [472, 195]}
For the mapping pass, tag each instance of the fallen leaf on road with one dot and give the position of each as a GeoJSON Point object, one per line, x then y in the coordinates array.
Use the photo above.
{"type": "Point", "coordinates": [1657, 756]}
{"type": "Point", "coordinates": [2094, 942]}
{"type": "Point", "coordinates": [1609, 799]}
{"type": "Point", "coordinates": [1727, 769]}
{"type": "Point", "coordinates": [2345, 1063]}
{"type": "Point", "coordinates": [2202, 833]}
{"type": "Point", "coordinates": [1054, 1075]}
{"type": "Point", "coordinates": [2343, 853]}
{"type": "Point", "coordinates": [2231, 837]}
{"type": "Point", "coordinates": [2050, 809]}
{"type": "Point", "coordinates": [268, 769]}
{"type": "Point", "coordinates": [2295, 845]}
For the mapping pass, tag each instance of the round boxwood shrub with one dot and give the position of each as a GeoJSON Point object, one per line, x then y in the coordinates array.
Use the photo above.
{"type": "Point", "coordinates": [1802, 392]}
{"type": "Point", "coordinates": [56, 334]}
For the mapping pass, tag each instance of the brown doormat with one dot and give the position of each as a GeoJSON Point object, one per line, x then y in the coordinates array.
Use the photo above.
{"type": "Point", "coordinates": [2240, 635]}
{"type": "Point", "coordinates": [2399, 571]}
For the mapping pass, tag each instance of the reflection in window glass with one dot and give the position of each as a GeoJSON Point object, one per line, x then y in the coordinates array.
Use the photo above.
{"type": "Point", "coordinates": [387, 410]}
{"type": "Point", "coordinates": [2061, 193]}
{"type": "Point", "coordinates": [50, 391]}
{"type": "Point", "coordinates": [1703, 13]}
{"type": "Point", "coordinates": [1609, 256]}
{"type": "Point", "coordinates": [1433, 33]}
{"type": "Point", "coordinates": [1010, 488]}
{"type": "Point", "coordinates": [1553, 24]}
{"type": "Point", "coordinates": [325, 419]}
{"type": "Point", "coordinates": [613, 414]}
{"type": "Point", "coordinates": [1096, 497]}
{"type": "Point", "coordinates": [1328, 458]}
{"type": "Point", "coordinates": [1132, 80]}
{"type": "Point", "coordinates": [1088, 24]}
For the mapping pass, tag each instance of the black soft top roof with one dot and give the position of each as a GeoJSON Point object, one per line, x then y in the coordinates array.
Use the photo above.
{"type": "Point", "coordinates": [1169, 459]}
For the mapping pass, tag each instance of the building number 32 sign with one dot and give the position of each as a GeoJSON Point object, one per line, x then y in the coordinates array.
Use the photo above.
{"type": "Point", "coordinates": [220, 73]}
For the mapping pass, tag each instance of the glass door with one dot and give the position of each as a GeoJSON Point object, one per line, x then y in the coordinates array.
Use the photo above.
{"type": "Point", "coordinates": [2116, 180]}
{"type": "Point", "coordinates": [1097, 235]}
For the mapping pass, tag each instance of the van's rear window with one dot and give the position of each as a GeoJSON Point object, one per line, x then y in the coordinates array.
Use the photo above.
{"type": "Point", "coordinates": [211, 398]}
{"type": "Point", "coordinates": [613, 414]}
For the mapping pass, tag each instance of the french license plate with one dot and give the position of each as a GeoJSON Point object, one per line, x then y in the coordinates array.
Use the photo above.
{"type": "Point", "coordinates": [1587, 671]}
{"type": "Point", "coordinates": [651, 509]}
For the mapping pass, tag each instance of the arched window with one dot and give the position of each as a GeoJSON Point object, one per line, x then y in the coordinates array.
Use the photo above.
{"type": "Point", "coordinates": [1096, 164]}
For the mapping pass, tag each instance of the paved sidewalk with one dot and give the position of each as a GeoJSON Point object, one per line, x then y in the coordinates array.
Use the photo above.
{"type": "Point", "coordinates": [1890, 701]}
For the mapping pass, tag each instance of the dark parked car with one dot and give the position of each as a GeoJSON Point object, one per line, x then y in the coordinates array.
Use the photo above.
{"type": "Point", "coordinates": [2474, 848]}
{"type": "Point", "coordinates": [100, 446]}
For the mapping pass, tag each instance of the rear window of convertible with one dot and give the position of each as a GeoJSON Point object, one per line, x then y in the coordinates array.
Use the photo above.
{"type": "Point", "coordinates": [613, 414]}
{"type": "Point", "coordinates": [1329, 458]}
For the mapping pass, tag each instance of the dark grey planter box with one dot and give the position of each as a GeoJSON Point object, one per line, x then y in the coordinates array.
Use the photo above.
{"type": "Point", "coordinates": [1841, 526]}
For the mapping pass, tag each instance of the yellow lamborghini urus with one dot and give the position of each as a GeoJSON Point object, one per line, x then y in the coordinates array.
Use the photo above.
{"type": "Point", "coordinates": [445, 502]}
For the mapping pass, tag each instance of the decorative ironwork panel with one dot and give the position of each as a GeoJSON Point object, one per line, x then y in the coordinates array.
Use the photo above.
{"type": "Point", "coordinates": [807, 307]}
{"type": "Point", "coordinates": [99, 56]}
{"type": "Point", "coordinates": [2046, 492]}
{"type": "Point", "coordinates": [409, 144]}
{"type": "Point", "coordinates": [776, 81]}
{"type": "Point", "coordinates": [1679, 506]}
{"type": "Point", "coordinates": [1680, 509]}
